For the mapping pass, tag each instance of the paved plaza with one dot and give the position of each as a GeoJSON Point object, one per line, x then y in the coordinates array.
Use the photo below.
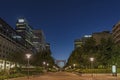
{"type": "Point", "coordinates": [70, 76]}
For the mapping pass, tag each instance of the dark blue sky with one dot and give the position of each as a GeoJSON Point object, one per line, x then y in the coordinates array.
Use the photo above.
{"type": "Point", "coordinates": [63, 21]}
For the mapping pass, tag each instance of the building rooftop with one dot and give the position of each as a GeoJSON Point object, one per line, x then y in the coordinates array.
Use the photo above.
{"type": "Point", "coordinates": [101, 32]}
{"type": "Point", "coordinates": [118, 23]}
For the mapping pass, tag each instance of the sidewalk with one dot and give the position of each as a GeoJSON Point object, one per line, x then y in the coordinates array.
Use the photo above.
{"type": "Point", "coordinates": [58, 76]}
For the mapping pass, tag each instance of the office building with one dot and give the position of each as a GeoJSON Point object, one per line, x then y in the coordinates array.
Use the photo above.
{"type": "Point", "coordinates": [39, 40]}
{"type": "Point", "coordinates": [97, 36]}
{"type": "Point", "coordinates": [26, 31]}
{"type": "Point", "coordinates": [79, 42]}
{"type": "Point", "coordinates": [116, 33]}
{"type": "Point", "coordinates": [101, 35]}
{"type": "Point", "coordinates": [10, 42]}
{"type": "Point", "coordinates": [47, 46]}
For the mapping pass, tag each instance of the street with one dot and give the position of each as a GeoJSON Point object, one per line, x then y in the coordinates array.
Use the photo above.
{"type": "Point", "coordinates": [69, 76]}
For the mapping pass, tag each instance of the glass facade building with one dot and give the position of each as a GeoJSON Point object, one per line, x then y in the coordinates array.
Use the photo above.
{"type": "Point", "coordinates": [10, 42]}
{"type": "Point", "coordinates": [39, 40]}
{"type": "Point", "coordinates": [26, 31]}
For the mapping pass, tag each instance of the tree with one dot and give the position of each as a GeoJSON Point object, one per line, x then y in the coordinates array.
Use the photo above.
{"type": "Point", "coordinates": [105, 54]}
{"type": "Point", "coordinates": [41, 56]}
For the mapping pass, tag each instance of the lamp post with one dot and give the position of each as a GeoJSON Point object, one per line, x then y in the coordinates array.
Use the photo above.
{"type": "Point", "coordinates": [74, 65]}
{"type": "Point", "coordinates": [44, 63]}
{"type": "Point", "coordinates": [47, 66]}
{"type": "Point", "coordinates": [28, 64]}
{"type": "Point", "coordinates": [70, 67]}
{"type": "Point", "coordinates": [91, 60]}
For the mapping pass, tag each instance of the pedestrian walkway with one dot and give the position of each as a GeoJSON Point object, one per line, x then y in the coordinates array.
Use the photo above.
{"type": "Point", "coordinates": [70, 76]}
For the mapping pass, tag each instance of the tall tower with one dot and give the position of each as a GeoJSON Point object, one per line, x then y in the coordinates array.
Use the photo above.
{"type": "Point", "coordinates": [25, 30]}
{"type": "Point", "coordinates": [39, 40]}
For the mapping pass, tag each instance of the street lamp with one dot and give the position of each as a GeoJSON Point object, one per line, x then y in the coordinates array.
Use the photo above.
{"type": "Point", "coordinates": [28, 57]}
{"type": "Point", "coordinates": [44, 63]}
{"type": "Point", "coordinates": [70, 67]}
{"type": "Point", "coordinates": [91, 60]}
{"type": "Point", "coordinates": [74, 65]}
{"type": "Point", "coordinates": [47, 64]}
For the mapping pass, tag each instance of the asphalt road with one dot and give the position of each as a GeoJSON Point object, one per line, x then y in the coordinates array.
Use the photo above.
{"type": "Point", "coordinates": [70, 76]}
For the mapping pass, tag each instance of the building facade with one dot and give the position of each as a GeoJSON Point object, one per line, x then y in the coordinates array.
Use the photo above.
{"type": "Point", "coordinates": [39, 40]}
{"type": "Point", "coordinates": [101, 35]}
{"type": "Point", "coordinates": [97, 36]}
{"type": "Point", "coordinates": [116, 33]}
{"type": "Point", "coordinates": [79, 42]}
{"type": "Point", "coordinates": [47, 46]}
{"type": "Point", "coordinates": [23, 39]}
{"type": "Point", "coordinates": [26, 31]}
{"type": "Point", "coordinates": [10, 42]}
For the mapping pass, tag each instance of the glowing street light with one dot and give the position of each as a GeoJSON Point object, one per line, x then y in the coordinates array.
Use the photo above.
{"type": "Point", "coordinates": [70, 67]}
{"type": "Point", "coordinates": [74, 65]}
{"type": "Point", "coordinates": [44, 63]}
{"type": "Point", "coordinates": [47, 64]}
{"type": "Point", "coordinates": [28, 57]}
{"type": "Point", "coordinates": [92, 60]}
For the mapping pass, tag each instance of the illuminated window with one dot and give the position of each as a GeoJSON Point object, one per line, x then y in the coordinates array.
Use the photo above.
{"type": "Point", "coordinates": [21, 20]}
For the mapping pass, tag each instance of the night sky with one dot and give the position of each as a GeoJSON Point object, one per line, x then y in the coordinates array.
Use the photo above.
{"type": "Point", "coordinates": [63, 21]}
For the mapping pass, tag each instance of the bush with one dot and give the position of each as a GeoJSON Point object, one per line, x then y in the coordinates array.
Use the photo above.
{"type": "Point", "coordinates": [32, 71]}
{"type": "Point", "coordinates": [93, 70]}
{"type": "Point", "coordinates": [2, 72]}
{"type": "Point", "coordinates": [19, 72]}
{"type": "Point", "coordinates": [16, 75]}
{"type": "Point", "coordinates": [3, 77]}
{"type": "Point", "coordinates": [15, 70]}
{"type": "Point", "coordinates": [118, 70]}
{"type": "Point", "coordinates": [6, 75]}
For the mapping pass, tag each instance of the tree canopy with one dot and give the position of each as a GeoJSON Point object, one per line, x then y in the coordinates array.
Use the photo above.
{"type": "Point", "coordinates": [105, 54]}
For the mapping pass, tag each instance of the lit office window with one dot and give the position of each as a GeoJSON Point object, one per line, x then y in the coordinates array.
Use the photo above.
{"type": "Point", "coordinates": [21, 20]}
